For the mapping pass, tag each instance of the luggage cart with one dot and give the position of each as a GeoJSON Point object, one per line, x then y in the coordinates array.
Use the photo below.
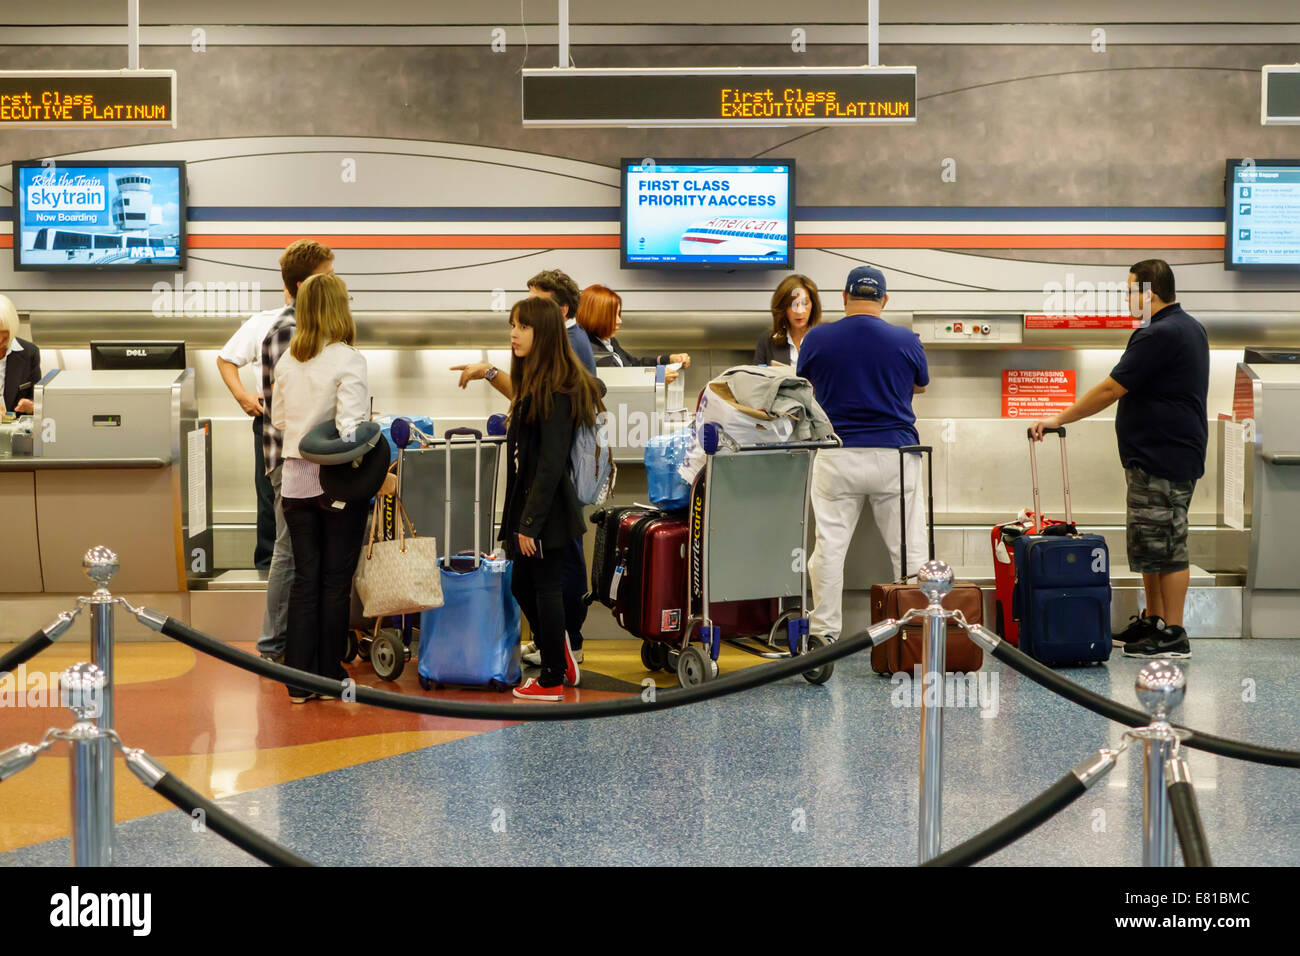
{"type": "Point", "coordinates": [765, 559]}
{"type": "Point", "coordinates": [421, 483]}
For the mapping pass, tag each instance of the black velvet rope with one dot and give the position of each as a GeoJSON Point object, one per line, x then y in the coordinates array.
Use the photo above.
{"type": "Point", "coordinates": [224, 825]}
{"type": "Point", "coordinates": [24, 652]}
{"type": "Point", "coordinates": [636, 704]}
{"type": "Point", "coordinates": [1041, 674]}
{"type": "Point", "coordinates": [1187, 821]}
{"type": "Point", "coordinates": [1012, 827]}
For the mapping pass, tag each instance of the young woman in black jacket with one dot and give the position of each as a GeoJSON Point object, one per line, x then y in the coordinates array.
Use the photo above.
{"type": "Point", "coordinates": [553, 396]}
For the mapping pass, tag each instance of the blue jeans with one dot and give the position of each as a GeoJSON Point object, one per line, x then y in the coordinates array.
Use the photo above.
{"type": "Point", "coordinates": [275, 624]}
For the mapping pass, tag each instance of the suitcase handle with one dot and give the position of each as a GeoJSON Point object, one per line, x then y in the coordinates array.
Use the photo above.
{"type": "Point", "coordinates": [1058, 430]}
{"type": "Point", "coordinates": [903, 452]}
{"type": "Point", "coordinates": [446, 503]}
{"type": "Point", "coordinates": [1033, 471]}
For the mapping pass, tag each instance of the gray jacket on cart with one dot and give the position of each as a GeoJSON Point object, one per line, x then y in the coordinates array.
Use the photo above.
{"type": "Point", "coordinates": [779, 392]}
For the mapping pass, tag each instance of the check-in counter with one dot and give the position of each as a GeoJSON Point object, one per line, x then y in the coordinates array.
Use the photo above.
{"type": "Point", "coordinates": [120, 459]}
{"type": "Point", "coordinates": [1273, 582]}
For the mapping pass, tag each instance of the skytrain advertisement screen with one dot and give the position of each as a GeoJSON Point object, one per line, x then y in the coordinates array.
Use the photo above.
{"type": "Point", "coordinates": [107, 216]}
{"type": "Point", "coordinates": [1262, 215]}
{"type": "Point", "coordinates": [708, 214]}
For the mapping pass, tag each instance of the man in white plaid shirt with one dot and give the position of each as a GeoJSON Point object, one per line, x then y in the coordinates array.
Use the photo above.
{"type": "Point", "coordinates": [303, 258]}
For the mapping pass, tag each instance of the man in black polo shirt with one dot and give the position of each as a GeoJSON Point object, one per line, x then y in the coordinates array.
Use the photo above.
{"type": "Point", "coordinates": [1161, 383]}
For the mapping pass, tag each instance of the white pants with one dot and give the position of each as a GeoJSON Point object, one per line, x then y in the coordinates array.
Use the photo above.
{"type": "Point", "coordinates": [843, 480]}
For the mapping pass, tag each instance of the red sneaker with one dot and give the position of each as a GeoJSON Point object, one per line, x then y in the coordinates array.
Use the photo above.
{"type": "Point", "coordinates": [531, 690]}
{"type": "Point", "coordinates": [571, 673]}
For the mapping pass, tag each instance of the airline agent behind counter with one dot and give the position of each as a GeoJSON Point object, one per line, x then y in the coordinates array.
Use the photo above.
{"type": "Point", "coordinates": [796, 308]}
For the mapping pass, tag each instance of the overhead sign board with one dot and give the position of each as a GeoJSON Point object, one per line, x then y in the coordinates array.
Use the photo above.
{"type": "Point", "coordinates": [56, 99]}
{"type": "Point", "coordinates": [732, 96]}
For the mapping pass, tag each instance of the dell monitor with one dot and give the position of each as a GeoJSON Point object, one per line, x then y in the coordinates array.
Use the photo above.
{"type": "Point", "coordinates": [137, 355]}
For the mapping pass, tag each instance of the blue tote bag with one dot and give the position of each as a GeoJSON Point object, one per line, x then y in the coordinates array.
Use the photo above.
{"type": "Point", "coordinates": [474, 637]}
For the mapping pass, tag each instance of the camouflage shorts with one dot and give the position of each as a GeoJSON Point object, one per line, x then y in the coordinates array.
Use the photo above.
{"type": "Point", "coordinates": [1157, 522]}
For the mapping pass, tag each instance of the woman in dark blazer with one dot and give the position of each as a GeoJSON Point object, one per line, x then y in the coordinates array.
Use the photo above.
{"type": "Point", "coordinates": [796, 308]}
{"type": "Point", "coordinates": [600, 314]}
{"type": "Point", "coordinates": [21, 361]}
{"type": "Point", "coordinates": [553, 396]}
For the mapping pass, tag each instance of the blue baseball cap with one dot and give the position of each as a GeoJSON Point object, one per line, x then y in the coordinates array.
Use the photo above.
{"type": "Point", "coordinates": [866, 282]}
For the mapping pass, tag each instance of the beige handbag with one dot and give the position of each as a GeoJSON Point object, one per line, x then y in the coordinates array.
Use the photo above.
{"type": "Point", "coordinates": [399, 576]}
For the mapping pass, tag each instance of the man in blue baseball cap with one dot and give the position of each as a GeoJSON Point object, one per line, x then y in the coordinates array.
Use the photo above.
{"type": "Point", "coordinates": [864, 372]}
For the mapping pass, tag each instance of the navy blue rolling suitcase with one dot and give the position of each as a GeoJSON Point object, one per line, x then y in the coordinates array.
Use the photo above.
{"type": "Point", "coordinates": [1062, 590]}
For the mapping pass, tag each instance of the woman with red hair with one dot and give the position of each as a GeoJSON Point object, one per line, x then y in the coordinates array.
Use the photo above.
{"type": "Point", "coordinates": [600, 314]}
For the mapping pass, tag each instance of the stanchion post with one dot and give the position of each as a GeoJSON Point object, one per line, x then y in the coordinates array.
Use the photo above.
{"type": "Point", "coordinates": [935, 581]}
{"type": "Point", "coordinates": [1160, 688]}
{"type": "Point", "coordinates": [92, 843]}
{"type": "Point", "coordinates": [101, 564]}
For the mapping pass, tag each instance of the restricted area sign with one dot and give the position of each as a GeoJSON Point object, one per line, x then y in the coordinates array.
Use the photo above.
{"type": "Point", "coordinates": [1034, 394]}
{"type": "Point", "coordinates": [52, 99]}
{"type": "Point", "coordinates": [1077, 322]}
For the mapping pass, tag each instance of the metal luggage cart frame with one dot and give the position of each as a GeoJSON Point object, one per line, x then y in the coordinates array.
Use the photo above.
{"type": "Point", "coordinates": [725, 497]}
{"type": "Point", "coordinates": [390, 648]}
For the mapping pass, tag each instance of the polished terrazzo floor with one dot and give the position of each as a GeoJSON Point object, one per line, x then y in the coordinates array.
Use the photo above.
{"type": "Point", "coordinates": [785, 773]}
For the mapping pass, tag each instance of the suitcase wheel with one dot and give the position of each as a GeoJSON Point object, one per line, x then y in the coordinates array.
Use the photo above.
{"type": "Point", "coordinates": [654, 656]}
{"type": "Point", "coordinates": [388, 654]}
{"type": "Point", "coordinates": [363, 645]}
{"type": "Point", "coordinates": [818, 675]}
{"type": "Point", "coordinates": [425, 683]}
{"type": "Point", "coordinates": [499, 686]}
{"type": "Point", "coordinates": [694, 667]}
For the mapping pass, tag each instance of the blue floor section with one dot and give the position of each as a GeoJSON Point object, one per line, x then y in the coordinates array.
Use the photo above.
{"type": "Point", "coordinates": [784, 774]}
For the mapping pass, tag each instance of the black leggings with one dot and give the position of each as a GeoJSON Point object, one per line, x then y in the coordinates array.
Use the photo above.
{"type": "Point", "coordinates": [326, 545]}
{"type": "Point", "coordinates": [537, 584]}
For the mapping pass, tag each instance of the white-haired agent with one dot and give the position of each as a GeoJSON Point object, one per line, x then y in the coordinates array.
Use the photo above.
{"type": "Point", "coordinates": [20, 367]}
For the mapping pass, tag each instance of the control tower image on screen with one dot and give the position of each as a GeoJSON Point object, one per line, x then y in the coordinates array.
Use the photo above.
{"type": "Point", "coordinates": [729, 236]}
{"type": "Point", "coordinates": [125, 241]}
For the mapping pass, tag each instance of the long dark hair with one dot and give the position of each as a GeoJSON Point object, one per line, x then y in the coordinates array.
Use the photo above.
{"type": "Point", "coordinates": [781, 300]}
{"type": "Point", "coordinates": [550, 366]}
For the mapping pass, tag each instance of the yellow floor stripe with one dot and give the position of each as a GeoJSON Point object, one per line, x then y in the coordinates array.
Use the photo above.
{"type": "Point", "coordinates": [37, 803]}
{"type": "Point", "coordinates": [621, 659]}
{"type": "Point", "coordinates": [133, 663]}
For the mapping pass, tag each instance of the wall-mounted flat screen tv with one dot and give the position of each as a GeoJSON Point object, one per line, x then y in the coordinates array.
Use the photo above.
{"type": "Point", "coordinates": [707, 214]}
{"type": "Point", "coordinates": [110, 216]}
{"type": "Point", "coordinates": [1262, 215]}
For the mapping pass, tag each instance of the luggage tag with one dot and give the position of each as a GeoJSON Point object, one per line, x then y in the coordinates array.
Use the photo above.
{"type": "Point", "coordinates": [613, 582]}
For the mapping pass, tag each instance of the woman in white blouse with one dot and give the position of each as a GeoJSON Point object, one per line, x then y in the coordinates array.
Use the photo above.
{"type": "Point", "coordinates": [321, 378]}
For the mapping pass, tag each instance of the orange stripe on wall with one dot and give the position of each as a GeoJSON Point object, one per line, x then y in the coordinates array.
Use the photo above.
{"type": "Point", "coordinates": [209, 241]}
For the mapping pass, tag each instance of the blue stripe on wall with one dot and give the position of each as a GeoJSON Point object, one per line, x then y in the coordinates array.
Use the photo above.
{"type": "Point", "coordinates": [611, 213]}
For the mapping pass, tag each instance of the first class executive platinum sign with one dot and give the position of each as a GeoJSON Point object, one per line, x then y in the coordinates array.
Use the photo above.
{"type": "Point", "coordinates": [56, 99]}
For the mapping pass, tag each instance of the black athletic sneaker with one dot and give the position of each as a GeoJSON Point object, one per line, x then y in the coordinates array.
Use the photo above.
{"type": "Point", "coordinates": [1140, 626]}
{"type": "Point", "coordinates": [1168, 642]}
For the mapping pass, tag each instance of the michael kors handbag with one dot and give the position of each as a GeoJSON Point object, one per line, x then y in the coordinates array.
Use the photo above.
{"type": "Point", "coordinates": [399, 576]}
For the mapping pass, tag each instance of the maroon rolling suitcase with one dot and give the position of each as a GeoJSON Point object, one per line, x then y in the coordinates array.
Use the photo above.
{"type": "Point", "coordinates": [650, 581]}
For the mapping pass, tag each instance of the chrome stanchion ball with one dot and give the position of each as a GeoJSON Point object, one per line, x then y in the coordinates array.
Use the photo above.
{"type": "Point", "coordinates": [935, 581]}
{"type": "Point", "coordinates": [1160, 687]}
{"type": "Point", "coordinates": [82, 687]}
{"type": "Point", "coordinates": [100, 564]}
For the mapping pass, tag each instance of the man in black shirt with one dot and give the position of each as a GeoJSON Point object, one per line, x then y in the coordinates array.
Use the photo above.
{"type": "Point", "coordinates": [1161, 383]}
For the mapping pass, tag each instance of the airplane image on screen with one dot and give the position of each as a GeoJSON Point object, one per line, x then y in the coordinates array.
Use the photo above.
{"type": "Point", "coordinates": [729, 236]}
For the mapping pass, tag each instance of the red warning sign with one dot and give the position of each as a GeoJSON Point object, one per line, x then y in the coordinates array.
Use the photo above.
{"type": "Point", "coordinates": [1034, 394]}
{"type": "Point", "coordinates": [1081, 322]}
